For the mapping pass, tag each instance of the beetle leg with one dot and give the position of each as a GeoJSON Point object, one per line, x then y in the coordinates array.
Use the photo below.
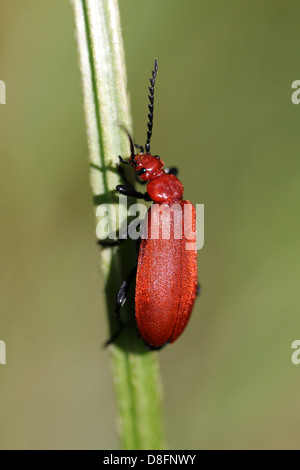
{"type": "Point", "coordinates": [137, 245]}
{"type": "Point", "coordinates": [121, 171]}
{"type": "Point", "coordinates": [172, 171]}
{"type": "Point", "coordinates": [199, 289]}
{"type": "Point", "coordinates": [128, 190]}
{"type": "Point", "coordinates": [120, 301]}
{"type": "Point", "coordinates": [140, 147]}
{"type": "Point", "coordinates": [110, 243]}
{"type": "Point", "coordinates": [122, 294]}
{"type": "Point", "coordinates": [115, 336]}
{"type": "Point", "coordinates": [139, 179]}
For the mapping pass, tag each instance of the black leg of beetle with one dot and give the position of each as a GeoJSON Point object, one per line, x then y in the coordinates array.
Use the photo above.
{"type": "Point", "coordinates": [140, 147]}
{"type": "Point", "coordinates": [128, 190]}
{"type": "Point", "coordinates": [121, 171]}
{"type": "Point", "coordinates": [138, 244]}
{"type": "Point", "coordinates": [120, 301]}
{"type": "Point", "coordinates": [172, 171]}
{"type": "Point", "coordinates": [115, 336]}
{"type": "Point", "coordinates": [122, 294]}
{"type": "Point", "coordinates": [109, 243]}
{"type": "Point", "coordinates": [138, 179]}
{"type": "Point", "coordinates": [199, 289]}
{"type": "Point", "coordinates": [121, 159]}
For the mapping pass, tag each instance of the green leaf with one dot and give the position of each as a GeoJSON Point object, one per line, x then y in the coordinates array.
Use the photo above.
{"type": "Point", "coordinates": [135, 370]}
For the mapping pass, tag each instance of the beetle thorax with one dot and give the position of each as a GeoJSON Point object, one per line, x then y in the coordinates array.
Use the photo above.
{"type": "Point", "coordinates": [165, 189]}
{"type": "Point", "coordinates": [162, 187]}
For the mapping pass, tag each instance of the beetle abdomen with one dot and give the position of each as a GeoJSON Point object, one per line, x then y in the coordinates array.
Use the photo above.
{"type": "Point", "coordinates": [166, 281]}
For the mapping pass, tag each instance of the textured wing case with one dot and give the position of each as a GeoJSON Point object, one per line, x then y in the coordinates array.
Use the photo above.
{"type": "Point", "coordinates": [166, 281]}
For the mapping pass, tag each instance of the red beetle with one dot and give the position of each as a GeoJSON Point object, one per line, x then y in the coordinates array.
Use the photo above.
{"type": "Point", "coordinates": [166, 275]}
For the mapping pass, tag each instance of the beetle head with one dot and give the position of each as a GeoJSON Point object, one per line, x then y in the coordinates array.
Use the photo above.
{"type": "Point", "coordinates": [147, 166]}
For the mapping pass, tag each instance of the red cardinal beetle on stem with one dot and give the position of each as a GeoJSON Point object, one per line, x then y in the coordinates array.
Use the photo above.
{"type": "Point", "coordinates": [166, 274]}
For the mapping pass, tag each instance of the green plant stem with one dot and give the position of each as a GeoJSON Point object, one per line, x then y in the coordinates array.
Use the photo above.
{"type": "Point", "coordinates": [135, 370]}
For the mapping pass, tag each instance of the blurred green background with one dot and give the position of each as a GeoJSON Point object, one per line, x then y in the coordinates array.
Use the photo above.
{"type": "Point", "coordinates": [224, 116]}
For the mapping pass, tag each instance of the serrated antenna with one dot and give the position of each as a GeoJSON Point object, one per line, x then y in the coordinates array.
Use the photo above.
{"type": "Point", "coordinates": [151, 106]}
